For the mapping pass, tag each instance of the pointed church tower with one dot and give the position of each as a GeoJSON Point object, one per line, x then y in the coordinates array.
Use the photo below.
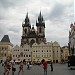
{"type": "Point", "coordinates": [30, 35]}
{"type": "Point", "coordinates": [26, 29]}
{"type": "Point", "coordinates": [40, 29]}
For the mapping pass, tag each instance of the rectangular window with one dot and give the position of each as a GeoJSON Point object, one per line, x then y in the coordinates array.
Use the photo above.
{"type": "Point", "coordinates": [29, 55]}
{"type": "Point", "coordinates": [13, 55]}
{"type": "Point", "coordinates": [16, 55]}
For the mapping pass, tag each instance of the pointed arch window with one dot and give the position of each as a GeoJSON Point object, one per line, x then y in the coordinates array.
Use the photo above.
{"type": "Point", "coordinates": [25, 31]}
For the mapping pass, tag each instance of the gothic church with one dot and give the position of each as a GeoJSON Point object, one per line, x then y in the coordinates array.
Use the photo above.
{"type": "Point", "coordinates": [30, 35]}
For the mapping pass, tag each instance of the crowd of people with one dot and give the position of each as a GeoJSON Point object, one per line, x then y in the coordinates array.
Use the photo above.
{"type": "Point", "coordinates": [11, 66]}
{"type": "Point", "coordinates": [8, 66]}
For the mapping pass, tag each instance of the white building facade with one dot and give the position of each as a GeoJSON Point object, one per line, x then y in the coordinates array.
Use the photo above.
{"type": "Point", "coordinates": [20, 53]}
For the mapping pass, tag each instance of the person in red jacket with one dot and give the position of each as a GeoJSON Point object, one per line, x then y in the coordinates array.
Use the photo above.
{"type": "Point", "coordinates": [45, 65]}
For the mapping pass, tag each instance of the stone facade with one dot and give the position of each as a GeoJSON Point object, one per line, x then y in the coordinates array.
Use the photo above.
{"type": "Point", "coordinates": [21, 53]}
{"type": "Point", "coordinates": [30, 35]}
{"type": "Point", "coordinates": [49, 51]}
{"type": "Point", "coordinates": [5, 48]}
{"type": "Point", "coordinates": [72, 39]}
{"type": "Point", "coordinates": [42, 51]}
{"type": "Point", "coordinates": [56, 52]}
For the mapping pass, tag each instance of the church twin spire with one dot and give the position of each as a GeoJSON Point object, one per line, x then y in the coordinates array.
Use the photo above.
{"type": "Point", "coordinates": [40, 19]}
{"type": "Point", "coordinates": [30, 34]}
{"type": "Point", "coordinates": [39, 22]}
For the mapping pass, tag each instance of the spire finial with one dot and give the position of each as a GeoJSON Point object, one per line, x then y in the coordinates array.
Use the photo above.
{"type": "Point", "coordinates": [27, 15]}
{"type": "Point", "coordinates": [27, 21]}
{"type": "Point", "coordinates": [40, 17]}
{"type": "Point", "coordinates": [40, 13]}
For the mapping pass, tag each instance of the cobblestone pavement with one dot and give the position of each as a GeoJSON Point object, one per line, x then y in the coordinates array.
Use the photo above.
{"type": "Point", "coordinates": [59, 69]}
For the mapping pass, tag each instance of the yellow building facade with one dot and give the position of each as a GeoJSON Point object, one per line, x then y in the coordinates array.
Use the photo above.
{"type": "Point", "coordinates": [65, 53]}
{"type": "Point", "coordinates": [50, 52]}
{"type": "Point", "coordinates": [56, 52]}
{"type": "Point", "coordinates": [42, 51]}
{"type": "Point", "coordinates": [5, 48]}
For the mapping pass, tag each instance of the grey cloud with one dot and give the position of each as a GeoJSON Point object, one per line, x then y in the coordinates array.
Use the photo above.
{"type": "Point", "coordinates": [15, 38]}
{"type": "Point", "coordinates": [62, 41]}
{"type": "Point", "coordinates": [3, 29]}
{"type": "Point", "coordinates": [59, 11]}
{"type": "Point", "coordinates": [14, 29]}
{"type": "Point", "coordinates": [13, 3]}
{"type": "Point", "coordinates": [4, 8]}
{"type": "Point", "coordinates": [2, 13]}
{"type": "Point", "coordinates": [56, 12]}
{"type": "Point", "coordinates": [2, 17]}
{"type": "Point", "coordinates": [6, 3]}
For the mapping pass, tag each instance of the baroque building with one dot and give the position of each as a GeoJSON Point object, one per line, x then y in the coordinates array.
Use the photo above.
{"type": "Point", "coordinates": [64, 53]}
{"type": "Point", "coordinates": [56, 52]}
{"type": "Point", "coordinates": [50, 51]}
{"type": "Point", "coordinates": [42, 51]}
{"type": "Point", "coordinates": [21, 53]}
{"type": "Point", "coordinates": [30, 35]}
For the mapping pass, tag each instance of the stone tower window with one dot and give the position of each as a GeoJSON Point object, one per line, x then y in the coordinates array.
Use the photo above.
{"type": "Point", "coordinates": [40, 30]}
{"type": "Point", "coordinates": [25, 31]}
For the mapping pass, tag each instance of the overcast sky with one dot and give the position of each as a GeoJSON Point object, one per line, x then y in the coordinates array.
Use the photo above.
{"type": "Point", "coordinates": [58, 15]}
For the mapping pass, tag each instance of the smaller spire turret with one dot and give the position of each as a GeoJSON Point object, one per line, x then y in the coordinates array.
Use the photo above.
{"type": "Point", "coordinates": [27, 19]}
{"type": "Point", "coordinates": [26, 22]}
{"type": "Point", "coordinates": [71, 25]}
